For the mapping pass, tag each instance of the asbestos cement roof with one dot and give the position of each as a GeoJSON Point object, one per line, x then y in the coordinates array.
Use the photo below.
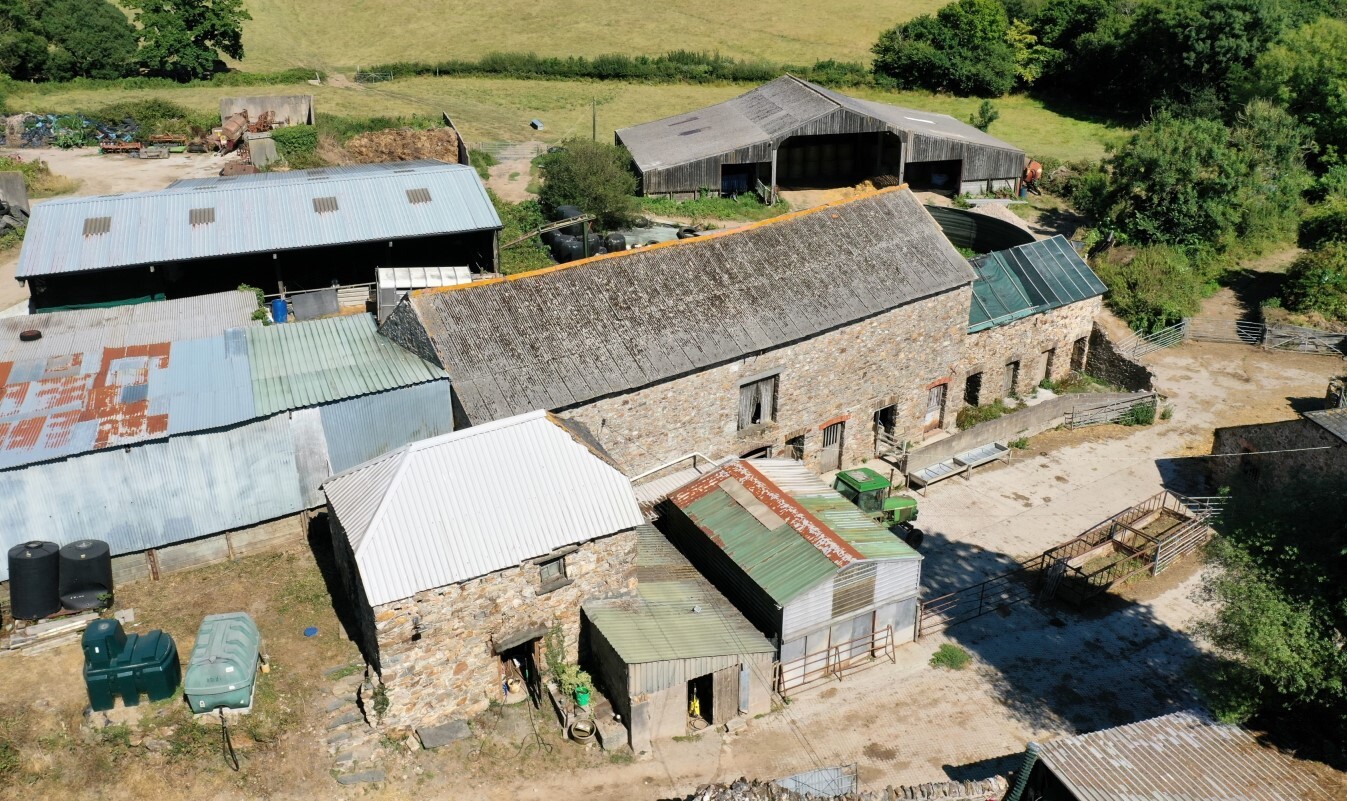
{"type": "Point", "coordinates": [1029, 279]}
{"type": "Point", "coordinates": [232, 215]}
{"type": "Point", "coordinates": [783, 526]}
{"type": "Point", "coordinates": [455, 507]}
{"type": "Point", "coordinates": [1184, 756]}
{"type": "Point", "coordinates": [614, 323]}
{"type": "Point", "coordinates": [1334, 421]}
{"type": "Point", "coordinates": [660, 624]}
{"type": "Point", "coordinates": [118, 386]}
{"type": "Point", "coordinates": [771, 113]}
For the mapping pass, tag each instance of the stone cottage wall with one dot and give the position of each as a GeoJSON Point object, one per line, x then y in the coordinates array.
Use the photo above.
{"type": "Point", "coordinates": [1270, 469]}
{"type": "Point", "coordinates": [1027, 341]}
{"type": "Point", "coordinates": [436, 649]}
{"type": "Point", "coordinates": [1108, 363]}
{"type": "Point", "coordinates": [844, 374]}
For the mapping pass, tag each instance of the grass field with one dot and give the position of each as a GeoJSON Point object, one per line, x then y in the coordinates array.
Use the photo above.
{"type": "Point", "coordinates": [342, 34]}
{"type": "Point", "coordinates": [499, 110]}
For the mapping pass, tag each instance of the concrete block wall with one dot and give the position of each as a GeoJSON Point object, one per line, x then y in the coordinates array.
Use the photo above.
{"type": "Point", "coordinates": [436, 649]}
{"type": "Point", "coordinates": [841, 375]}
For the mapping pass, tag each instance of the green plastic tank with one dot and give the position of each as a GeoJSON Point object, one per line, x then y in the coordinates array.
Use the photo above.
{"type": "Point", "coordinates": [117, 663]}
{"type": "Point", "coordinates": [224, 663]}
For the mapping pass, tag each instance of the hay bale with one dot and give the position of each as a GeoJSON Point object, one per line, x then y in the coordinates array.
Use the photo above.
{"type": "Point", "coordinates": [405, 144]}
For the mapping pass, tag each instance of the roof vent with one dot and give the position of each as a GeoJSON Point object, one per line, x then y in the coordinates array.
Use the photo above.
{"type": "Point", "coordinates": [691, 132]}
{"type": "Point", "coordinates": [323, 205]}
{"type": "Point", "coordinates": [201, 216]}
{"type": "Point", "coordinates": [96, 226]}
{"type": "Point", "coordinates": [415, 196]}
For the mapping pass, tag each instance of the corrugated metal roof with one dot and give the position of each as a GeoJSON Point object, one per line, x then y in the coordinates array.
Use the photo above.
{"type": "Point", "coordinates": [58, 405]}
{"type": "Point", "coordinates": [783, 526]}
{"type": "Point", "coordinates": [660, 623]}
{"type": "Point", "coordinates": [1029, 279]}
{"type": "Point", "coordinates": [304, 176]}
{"type": "Point", "coordinates": [254, 214]}
{"type": "Point", "coordinates": [614, 323]}
{"type": "Point", "coordinates": [92, 330]}
{"type": "Point", "coordinates": [1334, 421]}
{"type": "Point", "coordinates": [482, 499]}
{"type": "Point", "coordinates": [305, 364]}
{"type": "Point", "coordinates": [773, 112]}
{"type": "Point", "coordinates": [1184, 756]}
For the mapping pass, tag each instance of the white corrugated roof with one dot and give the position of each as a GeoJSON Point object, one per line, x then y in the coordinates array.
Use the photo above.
{"type": "Point", "coordinates": [458, 506]}
{"type": "Point", "coordinates": [1184, 756]}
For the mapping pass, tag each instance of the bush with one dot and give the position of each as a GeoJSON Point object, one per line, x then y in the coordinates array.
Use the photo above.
{"type": "Point", "coordinates": [595, 176]}
{"type": "Point", "coordinates": [297, 144]}
{"type": "Point", "coordinates": [1159, 286]}
{"type": "Point", "coordinates": [1141, 414]}
{"type": "Point", "coordinates": [519, 219]}
{"type": "Point", "coordinates": [970, 416]}
{"type": "Point", "coordinates": [1324, 223]}
{"type": "Point", "coordinates": [482, 161]}
{"type": "Point", "coordinates": [950, 657]}
{"type": "Point", "coordinates": [1317, 282]}
{"type": "Point", "coordinates": [151, 116]}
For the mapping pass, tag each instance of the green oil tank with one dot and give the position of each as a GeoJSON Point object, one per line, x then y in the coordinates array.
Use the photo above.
{"type": "Point", "coordinates": [224, 663]}
{"type": "Point", "coordinates": [117, 663]}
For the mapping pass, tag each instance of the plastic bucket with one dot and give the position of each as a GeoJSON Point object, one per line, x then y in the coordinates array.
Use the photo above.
{"type": "Point", "coordinates": [582, 696]}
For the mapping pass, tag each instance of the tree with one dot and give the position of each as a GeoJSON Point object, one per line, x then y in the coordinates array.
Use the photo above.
{"type": "Point", "coordinates": [1282, 620]}
{"type": "Point", "coordinates": [186, 39]}
{"type": "Point", "coordinates": [1306, 71]}
{"type": "Point", "coordinates": [1317, 282]}
{"type": "Point", "coordinates": [962, 49]}
{"type": "Point", "coordinates": [983, 118]}
{"type": "Point", "coordinates": [90, 39]}
{"type": "Point", "coordinates": [595, 176]}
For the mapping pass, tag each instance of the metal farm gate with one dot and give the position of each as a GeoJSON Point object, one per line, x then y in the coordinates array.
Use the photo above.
{"type": "Point", "coordinates": [1245, 332]}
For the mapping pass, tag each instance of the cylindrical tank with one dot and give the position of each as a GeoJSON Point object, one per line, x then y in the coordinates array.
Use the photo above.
{"type": "Point", "coordinates": [615, 243]}
{"type": "Point", "coordinates": [33, 585]}
{"type": "Point", "coordinates": [279, 310]}
{"type": "Point", "coordinates": [86, 574]}
{"type": "Point", "coordinates": [567, 212]}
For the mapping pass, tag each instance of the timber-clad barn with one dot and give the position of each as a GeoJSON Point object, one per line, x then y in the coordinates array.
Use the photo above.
{"type": "Point", "coordinates": [793, 133]}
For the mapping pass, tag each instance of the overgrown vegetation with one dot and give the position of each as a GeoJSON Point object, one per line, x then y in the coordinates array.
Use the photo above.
{"type": "Point", "coordinates": [518, 219]}
{"type": "Point", "coordinates": [970, 416]}
{"type": "Point", "coordinates": [596, 177]}
{"type": "Point", "coordinates": [1141, 414]}
{"type": "Point", "coordinates": [1282, 595]}
{"type": "Point", "coordinates": [709, 207]}
{"type": "Point", "coordinates": [1317, 282]}
{"type": "Point", "coordinates": [482, 161]}
{"type": "Point", "coordinates": [962, 49]}
{"type": "Point", "coordinates": [950, 657]}
{"type": "Point", "coordinates": [38, 178]}
{"type": "Point", "coordinates": [297, 145]}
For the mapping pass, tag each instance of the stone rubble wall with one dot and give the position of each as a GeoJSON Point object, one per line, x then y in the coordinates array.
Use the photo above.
{"type": "Point", "coordinates": [1272, 469]}
{"type": "Point", "coordinates": [1107, 363]}
{"type": "Point", "coordinates": [1027, 341]}
{"type": "Point", "coordinates": [436, 649]}
{"type": "Point", "coordinates": [991, 789]}
{"type": "Point", "coordinates": [844, 374]}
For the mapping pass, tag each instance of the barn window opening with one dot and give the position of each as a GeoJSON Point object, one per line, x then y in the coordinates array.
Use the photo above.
{"type": "Point", "coordinates": [795, 448]}
{"type": "Point", "coordinates": [1012, 378]}
{"type": "Point", "coordinates": [757, 402]}
{"type": "Point", "coordinates": [324, 205]}
{"type": "Point", "coordinates": [97, 226]}
{"type": "Point", "coordinates": [552, 575]}
{"type": "Point", "coordinates": [972, 389]}
{"type": "Point", "coordinates": [201, 216]}
{"type": "Point", "coordinates": [1078, 351]}
{"type": "Point", "coordinates": [415, 196]}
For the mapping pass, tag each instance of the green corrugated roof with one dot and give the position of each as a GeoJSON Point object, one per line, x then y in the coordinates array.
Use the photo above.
{"type": "Point", "coordinates": [659, 623]}
{"type": "Point", "coordinates": [304, 364]}
{"type": "Point", "coordinates": [1029, 279]}
{"type": "Point", "coordinates": [780, 560]}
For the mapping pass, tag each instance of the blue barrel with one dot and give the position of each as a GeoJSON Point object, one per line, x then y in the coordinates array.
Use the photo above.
{"type": "Point", "coordinates": [279, 310]}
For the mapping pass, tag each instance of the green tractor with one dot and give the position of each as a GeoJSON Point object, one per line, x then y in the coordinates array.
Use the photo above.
{"type": "Point", "coordinates": [873, 494]}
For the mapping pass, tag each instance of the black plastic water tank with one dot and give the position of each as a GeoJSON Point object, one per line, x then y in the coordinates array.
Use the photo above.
{"type": "Point", "coordinates": [615, 243]}
{"type": "Point", "coordinates": [86, 574]}
{"type": "Point", "coordinates": [33, 588]}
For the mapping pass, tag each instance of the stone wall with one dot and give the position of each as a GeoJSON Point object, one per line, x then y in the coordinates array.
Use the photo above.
{"type": "Point", "coordinates": [845, 374]}
{"type": "Point", "coordinates": [1108, 364]}
{"type": "Point", "coordinates": [1027, 341]}
{"type": "Point", "coordinates": [745, 790]}
{"type": "Point", "coordinates": [1269, 470]}
{"type": "Point", "coordinates": [436, 649]}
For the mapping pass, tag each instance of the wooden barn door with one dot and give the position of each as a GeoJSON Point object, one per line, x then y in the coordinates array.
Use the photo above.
{"type": "Point", "coordinates": [935, 408]}
{"type": "Point", "coordinates": [831, 457]}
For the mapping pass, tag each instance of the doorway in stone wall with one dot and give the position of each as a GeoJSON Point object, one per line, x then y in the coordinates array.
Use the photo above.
{"type": "Point", "coordinates": [1049, 356]}
{"type": "Point", "coordinates": [1078, 351]}
{"type": "Point", "coordinates": [520, 677]}
{"type": "Point", "coordinates": [935, 408]}
{"type": "Point", "coordinates": [831, 456]}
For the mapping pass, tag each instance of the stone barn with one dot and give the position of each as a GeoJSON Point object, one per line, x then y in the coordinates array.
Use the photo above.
{"type": "Point", "coordinates": [285, 232]}
{"type": "Point", "coordinates": [791, 133]}
{"type": "Point", "coordinates": [805, 335]}
{"type": "Point", "coordinates": [1313, 446]}
{"type": "Point", "coordinates": [676, 644]}
{"type": "Point", "coordinates": [461, 553]}
{"type": "Point", "coordinates": [1033, 309]}
{"type": "Point", "coordinates": [823, 581]}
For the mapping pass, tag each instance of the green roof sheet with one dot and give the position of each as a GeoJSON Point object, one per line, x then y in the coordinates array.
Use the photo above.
{"type": "Point", "coordinates": [659, 623]}
{"type": "Point", "coordinates": [1028, 279]}
{"type": "Point", "coordinates": [783, 526]}
{"type": "Point", "coordinates": [319, 361]}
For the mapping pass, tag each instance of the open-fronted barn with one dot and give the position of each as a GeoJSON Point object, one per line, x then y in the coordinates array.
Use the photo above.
{"type": "Point", "coordinates": [791, 132]}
